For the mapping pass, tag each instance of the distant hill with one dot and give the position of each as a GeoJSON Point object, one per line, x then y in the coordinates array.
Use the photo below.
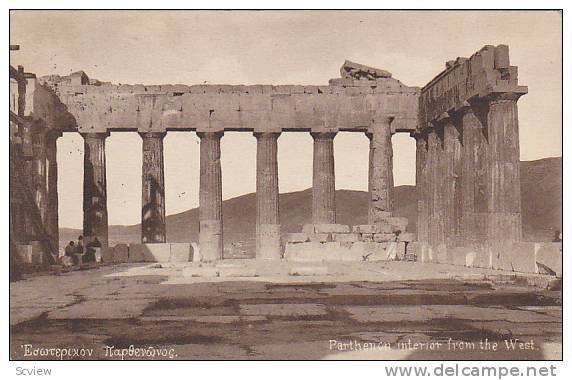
{"type": "Point", "coordinates": [541, 189]}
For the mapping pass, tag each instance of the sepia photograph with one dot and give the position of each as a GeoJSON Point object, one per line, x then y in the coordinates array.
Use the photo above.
{"type": "Point", "coordinates": [241, 185]}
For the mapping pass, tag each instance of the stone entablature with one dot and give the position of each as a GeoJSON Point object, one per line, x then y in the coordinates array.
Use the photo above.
{"type": "Point", "coordinates": [485, 73]}
{"type": "Point", "coordinates": [346, 104]}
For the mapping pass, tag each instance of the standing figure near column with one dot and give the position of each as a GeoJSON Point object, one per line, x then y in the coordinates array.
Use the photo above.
{"type": "Point", "coordinates": [323, 180]}
{"type": "Point", "coordinates": [267, 208]}
{"type": "Point", "coordinates": [380, 175]}
{"type": "Point", "coordinates": [210, 197]}
{"type": "Point", "coordinates": [153, 228]}
{"type": "Point", "coordinates": [94, 188]}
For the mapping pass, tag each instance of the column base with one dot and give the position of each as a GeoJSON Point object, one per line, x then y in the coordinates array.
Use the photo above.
{"type": "Point", "coordinates": [268, 242]}
{"type": "Point", "coordinates": [210, 240]}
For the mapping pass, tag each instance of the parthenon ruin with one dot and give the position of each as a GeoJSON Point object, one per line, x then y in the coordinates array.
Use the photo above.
{"type": "Point", "coordinates": [464, 121]}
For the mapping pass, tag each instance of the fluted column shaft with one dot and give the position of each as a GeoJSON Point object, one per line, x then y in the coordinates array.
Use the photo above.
{"type": "Point", "coordinates": [474, 203]}
{"type": "Point", "coordinates": [52, 220]}
{"type": "Point", "coordinates": [210, 197]}
{"type": "Point", "coordinates": [435, 179]}
{"type": "Point", "coordinates": [267, 208]}
{"type": "Point", "coordinates": [95, 222]}
{"type": "Point", "coordinates": [503, 182]}
{"type": "Point", "coordinates": [421, 187]}
{"type": "Point", "coordinates": [323, 182]}
{"type": "Point", "coordinates": [452, 181]}
{"type": "Point", "coordinates": [153, 229]}
{"type": "Point", "coordinates": [380, 176]}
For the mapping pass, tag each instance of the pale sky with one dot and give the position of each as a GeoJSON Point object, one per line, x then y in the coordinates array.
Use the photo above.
{"type": "Point", "coordinates": [293, 47]}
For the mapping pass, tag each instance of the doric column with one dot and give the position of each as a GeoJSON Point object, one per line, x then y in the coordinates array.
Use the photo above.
{"type": "Point", "coordinates": [473, 151]}
{"type": "Point", "coordinates": [435, 177]}
{"type": "Point", "coordinates": [94, 188]}
{"type": "Point", "coordinates": [452, 180]}
{"type": "Point", "coordinates": [421, 187]}
{"type": "Point", "coordinates": [323, 182]}
{"type": "Point", "coordinates": [52, 220]}
{"type": "Point", "coordinates": [38, 178]}
{"type": "Point", "coordinates": [503, 158]}
{"type": "Point", "coordinates": [153, 228]}
{"type": "Point", "coordinates": [267, 210]}
{"type": "Point", "coordinates": [210, 197]}
{"type": "Point", "coordinates": [380, 175]}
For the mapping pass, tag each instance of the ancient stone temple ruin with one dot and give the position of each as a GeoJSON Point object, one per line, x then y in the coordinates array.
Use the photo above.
{"type": "Point", "coordinates": [465, 123]}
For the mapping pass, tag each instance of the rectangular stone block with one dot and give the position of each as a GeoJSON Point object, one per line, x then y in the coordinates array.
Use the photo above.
{"type": "Point", "coordinates": [366, 229]}
{"type": "Point", "coordinates": [320, 237]}
{"type": "Point", "coordinates": [107, 254]}
{"type": "Point", "coordinates": [121, 253]}
{"type": "Point", "coordinates": [369, 251]}
{"type": "Point", "coordinates": [297, 237]}
{"type": "Point", "coordinates": [136, 253]}
{"type": "Point", "coordinates": [367, 237]}
{"type": "Point", "coordinates": [157, 252]}
{"type": "Point", "coordinates": [332, 228]}
{"type": "Point", "coordinates": [308, 229]}
{"type": "Point", "coordinates": [406, 236]}
{"type": "Point", "coordinates": [381, 237]}
{"type": "Point", "coordinates": [37, 253]}
{"type": "Point", "coordinates": [308, 251]}
{"type": "Point", "coordinates": [180, 253]}
{"type": "Point", "coordinates": [398, 223]}
{"type": "Point", "coordinates": [349, 237]}
{"type": "Point", "coordinates": [25, 253]}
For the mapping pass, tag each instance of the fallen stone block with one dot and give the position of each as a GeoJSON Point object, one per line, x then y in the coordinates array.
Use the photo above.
{"type": "Point", "coordinates": [322, 237]}
{"type": "Point", "coordinates": [121, 253]}
{"type": "Point", "coordinates": [308, 271]}
{"type": "Point", "coordinates": [366, 237]}
{"type": "Point", "coordinates": [383, 237]}
{"type": "Point", "coordinates": [332, 228]}
{"type": "Point", "coordinates": [237, 272]}
{"type": "Point", "coordinates": [349, 237]}
{"type": "Point", "coordinates": [157, 252]}
{"type": "Point", "coordinates": [407, 236]}
{"type": "Point", "coordinates": [180, 253]}
{"type": "Point", "coordinates": [366, 229]}
{"type": "Point", "coordinates": [308, 229]}
{"type": "Point", "coordinates": [136, 254]}
{"type": "Point", "coordinates": [297, 237]}
{"type": "Point", "coordinates": [200, 272]}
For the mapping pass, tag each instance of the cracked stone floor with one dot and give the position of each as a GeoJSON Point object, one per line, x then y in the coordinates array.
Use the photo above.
{"type": "Point", "coordinates": [384, 311]}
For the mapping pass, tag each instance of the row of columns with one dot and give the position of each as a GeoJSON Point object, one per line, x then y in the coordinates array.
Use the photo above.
{"type": "Point", "coordinates": [468, 175]}
{"type": "Point", "coordinates": [153, 228]}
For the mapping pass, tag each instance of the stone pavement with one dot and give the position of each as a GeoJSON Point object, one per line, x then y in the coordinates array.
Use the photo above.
{"type": "Point", "coordinates": [246, 309]}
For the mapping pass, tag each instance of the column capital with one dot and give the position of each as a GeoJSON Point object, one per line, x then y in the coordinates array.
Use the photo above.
{"type": "Point", "coordinates": [210, 135]}
{"type": "Point", "coordinates": [268, 135]}
{"type": "Point", "coordinates": [94, 135]}
{"type": "Point", "coordinates": [152, 134]}
{"type": "Point", "coordinates": [323, 135]}
{"type": "Point", "coordinates": [500, 97]}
